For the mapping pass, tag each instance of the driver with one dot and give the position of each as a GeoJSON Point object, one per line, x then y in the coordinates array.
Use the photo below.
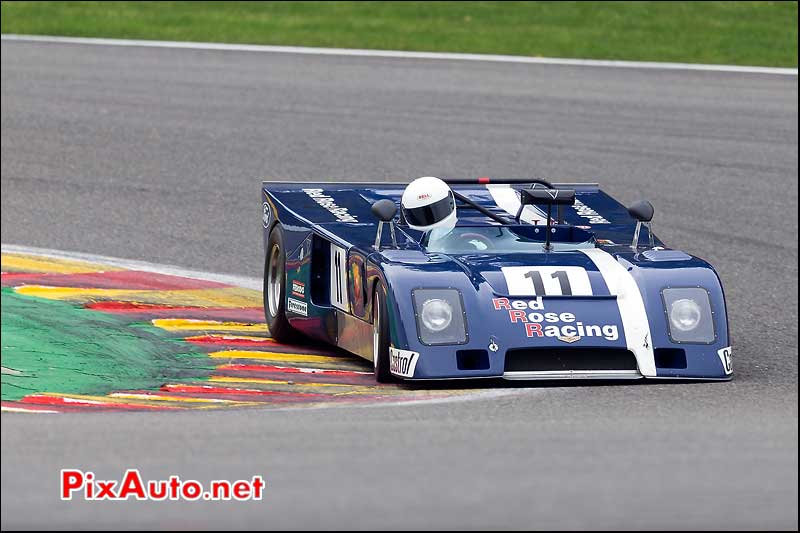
{"type": "Point", "coordinates": [428, 205]}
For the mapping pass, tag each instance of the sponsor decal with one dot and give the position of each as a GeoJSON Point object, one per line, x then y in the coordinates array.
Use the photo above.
{"type": "Point", "coordinates": [298, 289]}
{"type": "Point", "coordinates": [266, 214]}
{"type": "Point", "coordinates": [531, 315]}
{"type": "Point", "coordinates": [297, 307]}
{"type": "Point", "coordinates": [423, 196]}
{"type": "Point", "coordinates": [605, 242]}
{"type": "Point", "coordinates": [725, 356]}
{"type": "Point", "coordinates": [329, 204]}
{"type": "Point", "coordinates": [402, 362]}
{"type": "Point", "coordinates": [584, 211]}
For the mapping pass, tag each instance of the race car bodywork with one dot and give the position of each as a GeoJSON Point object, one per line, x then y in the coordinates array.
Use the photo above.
{"type": "Point", "coordinates": [523, 288]}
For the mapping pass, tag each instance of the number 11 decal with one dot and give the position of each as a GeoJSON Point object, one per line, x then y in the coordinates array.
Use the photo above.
{"type": "Point", "coordinates": [538, 284]}
{"type": "Point", "coordinates": [547, 281]}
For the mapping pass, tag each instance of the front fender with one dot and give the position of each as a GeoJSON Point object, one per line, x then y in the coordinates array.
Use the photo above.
{"type": "Point", "coordinates": [400, 279]}
{"type": "Point", "coordinates": [704, 361]}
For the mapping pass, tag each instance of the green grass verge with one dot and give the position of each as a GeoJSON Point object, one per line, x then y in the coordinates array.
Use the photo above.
{"type": "Point", "coordinates": [741, 33]}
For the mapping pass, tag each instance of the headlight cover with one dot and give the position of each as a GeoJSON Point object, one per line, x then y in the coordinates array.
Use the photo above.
{"type": "Point", "coordinates": [689, 315]}
{"type": "Point", "coordinates": [440, 316]}
{"type": "Point", "coordinates": [436, 314]}
{"type": "Point", "coordinates": [685, 314]}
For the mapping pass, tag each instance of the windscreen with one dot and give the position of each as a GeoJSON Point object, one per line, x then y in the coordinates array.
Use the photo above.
{"type": "Point", "coordinates": [505, 239]}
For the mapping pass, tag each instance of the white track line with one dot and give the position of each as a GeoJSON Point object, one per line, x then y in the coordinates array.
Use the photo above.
{"type": "Point", "coordinates": [238, 281]}
{"type": "Point", "coordinates": [9, 409]}
{"type": "Point", "coordinates": [401, 54]}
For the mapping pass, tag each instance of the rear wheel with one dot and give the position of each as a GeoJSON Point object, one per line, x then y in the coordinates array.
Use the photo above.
{"type": "Point", "coordinates": [380, 337]}
{"type": "Point", "coordinates": [275, 288]}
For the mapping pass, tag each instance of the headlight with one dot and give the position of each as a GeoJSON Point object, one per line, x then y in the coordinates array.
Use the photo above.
{"type": "Point", "coordinates": [689, 315]}
{"type": "Point", "coordinates": [440, 316]}
{"type": "Point", "coordinates": [685, 314]}
{"type": "Point", "coordinates": [436, 314]}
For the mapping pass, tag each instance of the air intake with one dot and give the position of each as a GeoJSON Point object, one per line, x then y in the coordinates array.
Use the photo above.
{"type": "Point", "coordinates": [670, 358]}
{"type": "Point", "coordinates": [472, 359]}
{"type": "Point", "coordinates": [567, 359]}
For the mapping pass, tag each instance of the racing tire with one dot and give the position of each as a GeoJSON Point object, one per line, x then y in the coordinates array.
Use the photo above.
{"type": "Point", "coordinates": [275, 288]}
{"type": "Point", "coordinates": [380, 337]}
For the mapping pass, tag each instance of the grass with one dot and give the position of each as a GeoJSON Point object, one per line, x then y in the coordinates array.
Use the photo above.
{"type": "Point", "coordinates": [741, 33]}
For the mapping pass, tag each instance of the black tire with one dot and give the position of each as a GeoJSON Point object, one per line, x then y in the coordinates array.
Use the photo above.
{"type": "Point", "coordinates": [279, 326]}
{"type": "Point", "coordinates": [381, 337]}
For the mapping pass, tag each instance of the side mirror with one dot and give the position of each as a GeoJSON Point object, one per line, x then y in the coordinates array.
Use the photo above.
{"type": "Point", "coordinates": [642, 212]}
{"type": "Point", "coordinates": [384, 210]}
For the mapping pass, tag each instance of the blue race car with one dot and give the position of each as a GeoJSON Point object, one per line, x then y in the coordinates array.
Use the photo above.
{"type": "Point", "coordinates": [514, 279]}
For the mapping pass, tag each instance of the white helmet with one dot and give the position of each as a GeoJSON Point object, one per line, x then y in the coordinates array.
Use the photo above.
{"type": "Point", "coordinates": [428, 203]}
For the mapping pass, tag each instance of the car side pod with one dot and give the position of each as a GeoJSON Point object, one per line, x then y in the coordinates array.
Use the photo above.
{"type": "Point", "coordinates": [643, 213]}
{"type": "Point", "coordinates": [384, 210]}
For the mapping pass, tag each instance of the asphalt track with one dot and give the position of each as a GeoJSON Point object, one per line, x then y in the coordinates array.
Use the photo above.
{"type": "Point", "coordinates": [157, 154]}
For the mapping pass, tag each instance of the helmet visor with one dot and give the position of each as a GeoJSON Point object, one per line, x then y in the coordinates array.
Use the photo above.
{"type": "Point", "coordinates": [427, 215]}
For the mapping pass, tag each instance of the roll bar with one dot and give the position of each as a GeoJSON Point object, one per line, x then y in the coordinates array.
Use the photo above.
{"type": "Point", "coordinates": [484, 180]}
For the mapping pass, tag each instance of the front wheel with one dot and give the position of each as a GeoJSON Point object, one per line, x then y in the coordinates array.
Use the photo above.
{"type": "Point", "coordinates": [275, 288]}
{"type": "Point", "coordinates": [380, 337]}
